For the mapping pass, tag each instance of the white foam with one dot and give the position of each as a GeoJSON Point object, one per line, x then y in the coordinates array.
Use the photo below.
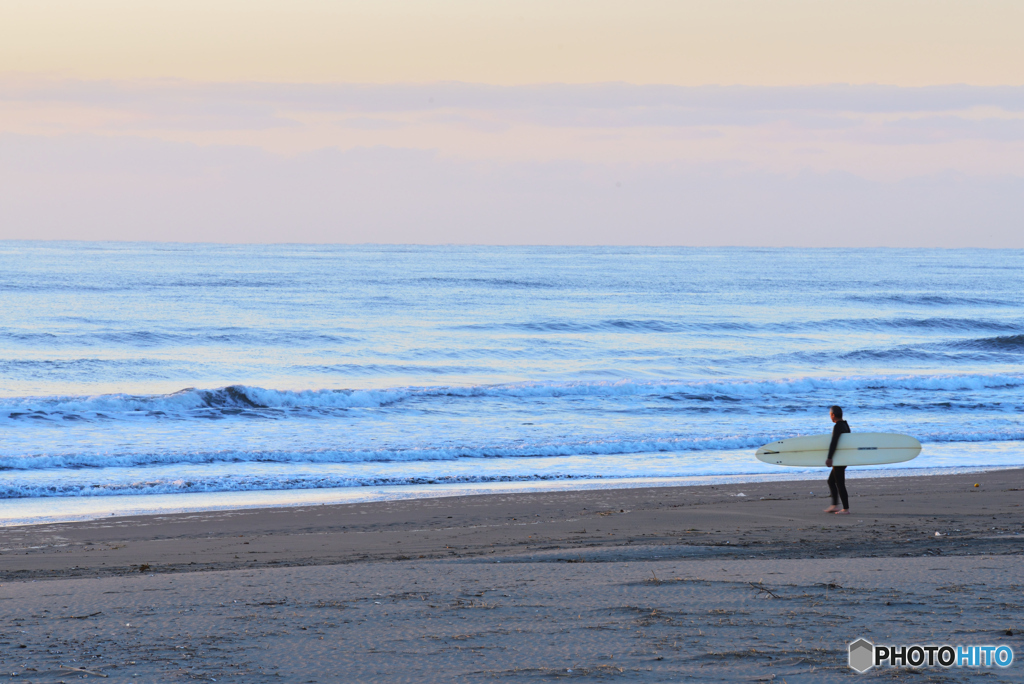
{"type": "Point", "coordinates": [240, 396]}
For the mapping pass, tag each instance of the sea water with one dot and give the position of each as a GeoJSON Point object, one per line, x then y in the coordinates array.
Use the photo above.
{"type": "Point", "coordinates": [296, 373]}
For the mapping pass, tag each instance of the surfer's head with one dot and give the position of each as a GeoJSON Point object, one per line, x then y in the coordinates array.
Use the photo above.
{"type": "Point", "coordinates": [837, 412]}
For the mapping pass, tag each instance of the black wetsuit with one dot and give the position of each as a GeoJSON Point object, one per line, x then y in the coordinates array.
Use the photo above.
{"type": "Point", "coordinates": [837, 479]}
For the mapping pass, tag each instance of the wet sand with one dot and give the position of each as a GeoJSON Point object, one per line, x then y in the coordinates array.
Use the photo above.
{"type": "Point", "coordinates": [660, 584]}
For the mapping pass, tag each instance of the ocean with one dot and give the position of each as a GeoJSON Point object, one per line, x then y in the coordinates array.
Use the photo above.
{"type": "Point", "coordinates": [142, 376]}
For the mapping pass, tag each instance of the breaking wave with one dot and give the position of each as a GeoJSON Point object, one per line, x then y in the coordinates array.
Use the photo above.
{"type": "Point", "coordinates": [240, 398]}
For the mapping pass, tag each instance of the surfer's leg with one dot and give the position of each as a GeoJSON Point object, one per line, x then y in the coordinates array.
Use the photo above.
{"type": "Point", "coordinates": [839, 473]}
{"type": "Point", "coordinates": [833, 491]}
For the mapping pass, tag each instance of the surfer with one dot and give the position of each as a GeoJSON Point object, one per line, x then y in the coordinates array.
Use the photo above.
{"type": "Point", "coordinates": [837, 478]}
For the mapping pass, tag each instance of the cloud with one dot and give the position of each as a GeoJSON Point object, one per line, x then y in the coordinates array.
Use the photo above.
{"type": "Point", "coordinates": [369, 123]}
{"type": "Point", "coordinates": [445, 95]}
{"type": "Point", "coordinates": [942, 128]}
{"type": "Point", "coordinates": [853, 128]}
{"type": "Point", "coordinates": [552, 104]}
{"type": "Point", "coordinates": [93, 188]}
{"type": "Point", "coordinates": [607, 163]}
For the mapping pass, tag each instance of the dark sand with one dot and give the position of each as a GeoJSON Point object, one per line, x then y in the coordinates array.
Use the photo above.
{"type": "Point", "coordinates": [661, 584]}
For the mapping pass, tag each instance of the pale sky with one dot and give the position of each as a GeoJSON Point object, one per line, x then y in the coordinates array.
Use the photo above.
{"type": "Point", "coordinates": [514, 42]}
{"type": "Point", "coordinates": [649, 122]}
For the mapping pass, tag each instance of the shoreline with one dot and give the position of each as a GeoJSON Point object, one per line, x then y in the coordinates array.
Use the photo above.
{"type": "Point", "coordinates": [780, 518]}
{"type": "Point", "coordinates": [40, 510]}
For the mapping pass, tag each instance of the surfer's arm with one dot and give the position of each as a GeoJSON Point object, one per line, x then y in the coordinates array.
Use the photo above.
{"type": "Point", "coordinates": [836, 431]}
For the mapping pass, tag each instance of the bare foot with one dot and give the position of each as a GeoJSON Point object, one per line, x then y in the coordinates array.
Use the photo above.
{"type": "Point", "coordinates": [831, 509]}
{"type": "Point", "coordinates": [845, 511]}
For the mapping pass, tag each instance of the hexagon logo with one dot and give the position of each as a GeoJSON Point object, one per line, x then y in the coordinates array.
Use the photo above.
{"type": "Point", "coordinates": [862, 655]}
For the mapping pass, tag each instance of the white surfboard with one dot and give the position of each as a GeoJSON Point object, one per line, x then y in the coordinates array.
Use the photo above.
{"type": "Point", "coordinates": [854, 449]}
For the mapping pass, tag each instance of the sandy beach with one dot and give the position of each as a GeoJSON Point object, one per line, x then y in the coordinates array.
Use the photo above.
{"type": "Point", "coordinates": [744, 582]}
